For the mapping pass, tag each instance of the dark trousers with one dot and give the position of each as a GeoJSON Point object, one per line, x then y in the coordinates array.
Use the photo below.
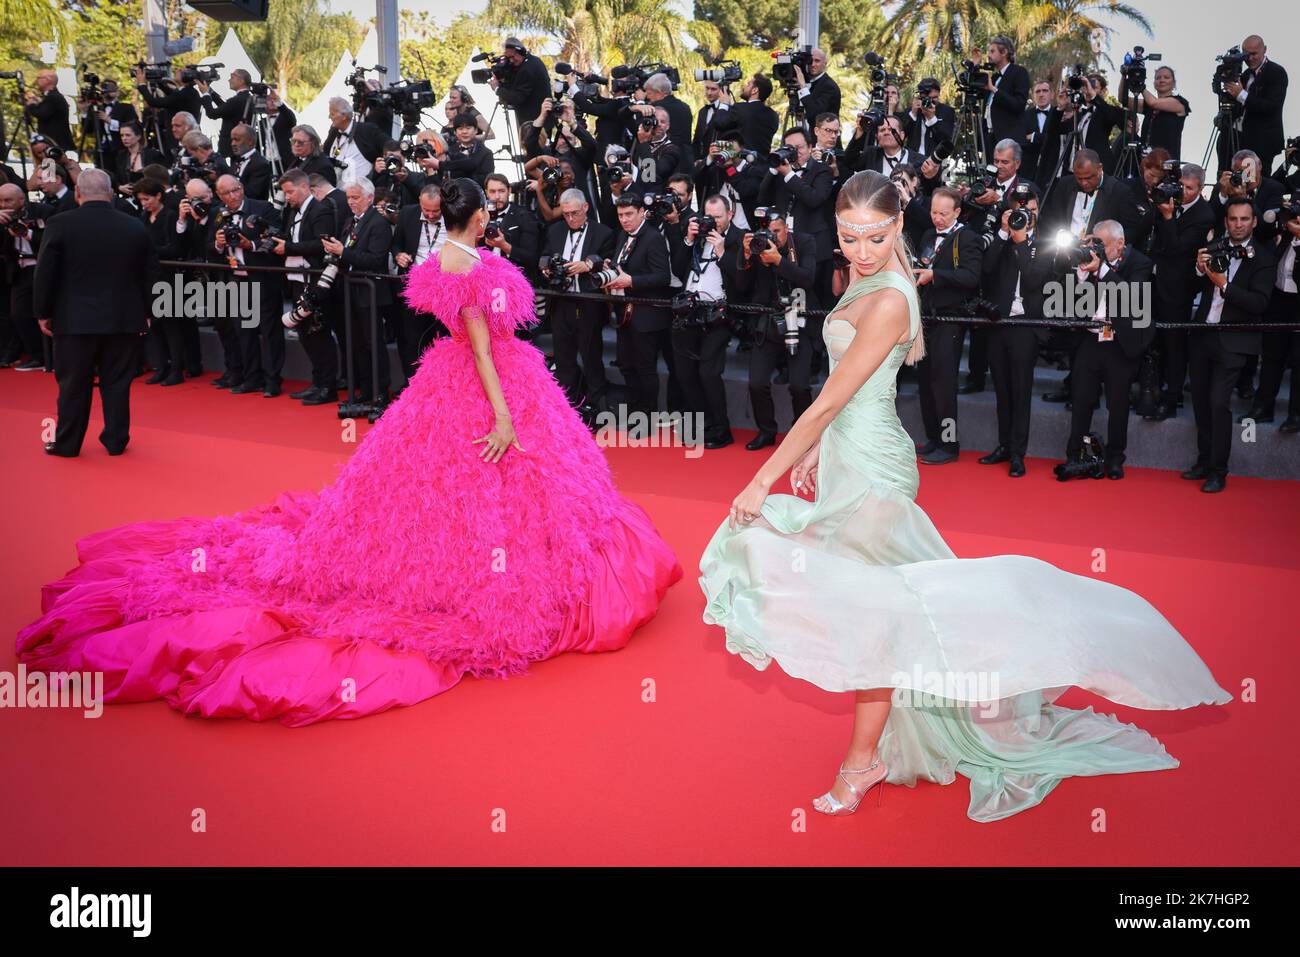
{"type": "Point", "coordinates": [1214, 371]}
{"type": "Point", "coordinates": [639, 362]}
{"type": "Point", "coordinates": [699, 356]}
{"type": "Point", "coordinates": [1099, 365]}
{"type": "Point", "coordinates": [977, 361]}
{"type": "Point", "coordinates": [416, 331]}
{"type": "Point", "coordinates": [1281, 350]}
{"type": "Point", "coordinates": [269, 329]}
{"type": "Point", "coordinates": [763, 360]}
{"type": "Point", "coordinates": [26, 330]}
{"type": "Point", "coordinates": [227, 329]}
{"type": "Point", "coordinates": [77, 360]}
{"type": "Point", "coordinates": [1012, 351]}
{"type": "Point", "coordinates": [936, 376]}
{"type": "Point", "coordinates": [575, 332]}
{"type": "Point", "coordinates": [319, 346]}
{"type": "Point", "coordinates": [367, 338]}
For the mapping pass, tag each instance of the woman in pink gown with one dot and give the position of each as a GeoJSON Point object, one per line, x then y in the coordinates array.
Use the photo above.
{"type": "Point", "coordinates": [475, 530]}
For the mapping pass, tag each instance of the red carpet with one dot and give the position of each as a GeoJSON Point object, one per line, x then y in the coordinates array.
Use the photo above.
{"type": "Point", "coordinates": [714, 770]}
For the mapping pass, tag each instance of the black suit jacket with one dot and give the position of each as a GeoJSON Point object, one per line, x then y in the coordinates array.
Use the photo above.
{"type": "Point", "coordinates": [1107, 118]}
{"type": "Point", "coordinates": [406, 235]}
{"type": "Point", "coordinates": [761, 284]}
{"type": "Point", "coordinates": [941, 130]}
{"type": "Point", "coordinates": [255, 174]}
{"type": "Point", "coordinates": [9, 256]}
{"type": "Point", "coordinates": [598, 240]}
{"type": "Point", "coordinates": [1261, 128]}
{"type": "Point", "coordinates": [682, 257]}
{"type": "Point", "coordinates": [315, 164]}
{"type": "Point", "coordinates": [1005, 263]}
{"type": "Point", "coordinates": [531, 85]}
{"type": "Point", "coordinates": [95, 273]}
{"type": "Point", "coordinates": [1174, 243]}
{"type": "Point", "coordinates": [369, 138]}
{"type": "Point", "coordinates": [182, 99]}
{"type": "Point", "coordinates": [758, 124]}
{"type": "Point", "coordinates": [476, 164]}
{"type": "Point", "coordinates": [238, 109]}
{"type": "Point", "coordinates": [1134, 267]}
{"type": "Point", "coordinates": [109, 141]}
{"type": "Point", "coordinates": [1245, 299]}
{"type": "Point", "coordinates": [365, 249]}
{"type": "Point", "coordinates": [1114, 201]}
{"type": "Point", "coordinates": [1008, 109]}
{"type": "Point", "coordinates": [649, 266]}
{"type": "Point", "coordinates": [522, 231]}
{"type": "Point", "coordinates": [1267, 195]}
{"type": "Point", "coordinates": [317, 222]}
{"type": "Point", "coordinates": [957, 266]}
{"type": "Point", "coordinates": [808, 197]}
{"type": "Point", "coordinates": [823, 97]}
{"type": "Point", "coordinates": [1039, 149]}
{"type": "Point", "coordinates": [50, 114]}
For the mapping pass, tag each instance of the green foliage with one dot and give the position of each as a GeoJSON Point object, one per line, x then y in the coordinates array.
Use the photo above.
{"type": "Point", "coordinates": [299, 45]}
{"type": "Point", "coordinates": [439, 54]}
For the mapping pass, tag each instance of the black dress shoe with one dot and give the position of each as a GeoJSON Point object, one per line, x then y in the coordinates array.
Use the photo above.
{"type": "Point", "coordinates": [939, 456]}
{"type": "Point", "coordinates": [1056, 397]}
{"type": "Point", "coordinates": [52, 449]}
{"type": "Point", "coordinates": [1215, 483]}
{"type": "Point", "coordinates": [761, 441]}
{"type": "Point", "coordinates": [719, 441]}
{"type": "Point", "coordinates": [244, 388]}
{"type": "Point", "coordinates": [1114, 470]}
{"type": "Point", "coordinates": [271, 391]}
{"type": "Point", "coordinates": [156, 378]}
{"type": "Point", "coordinates": [302, 393]}
{"type": "Point", "coordinates": [1259, 415]}
{"type": "Point", "coordinates": [174, 379]}
{"type": "Point", "coordinates": [999, 454]}
{"type": "Point", "coordinates": [194, 372]}
{"type": "Point", "coordinates": [1196, 473]}
{"type": "Point", "coordinates": [31, 365]}
{"type": "Point", "coordinates": [1292, 424]}
{"type": "Point", "coordinates": [321, 397]}
{"type": "Point", "coordinates": [222, 382]}
{"type": "Point", "coordinates": [1017, 467]}
{"type": "Point", "coordinates": [971, 386]}
{"type": "Point", "coordinates": [926, 448]}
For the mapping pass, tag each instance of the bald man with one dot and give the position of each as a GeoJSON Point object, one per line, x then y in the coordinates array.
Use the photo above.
{"type": "Point", "coordinates": [93, 293]}
{"type": "Point", "coordinates": [1260, 94]}
{"type": "Point", "coordinates": [47, 108]}
{"type": "Point", "coordinates": [22, 225]}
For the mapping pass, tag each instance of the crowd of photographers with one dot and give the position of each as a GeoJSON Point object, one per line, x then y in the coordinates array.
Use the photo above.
{"type": "Point", "coordinates": [717, 226]}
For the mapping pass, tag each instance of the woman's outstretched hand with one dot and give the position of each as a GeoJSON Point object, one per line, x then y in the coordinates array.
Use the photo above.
{"type": "Point", "coordinates": [498, 440]}
{"type": "Point", "coordinates": [748, 504]}
{"type": "Point", "coordinates": [803, 477]}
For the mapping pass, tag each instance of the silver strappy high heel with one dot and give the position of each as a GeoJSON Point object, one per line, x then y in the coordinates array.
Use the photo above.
{"type": "Point", "coordinates": [836, 808]}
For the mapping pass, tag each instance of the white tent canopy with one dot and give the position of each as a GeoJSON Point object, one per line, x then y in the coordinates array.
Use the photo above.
{"type": "Point", "coordinates": [316, 114]}
{"type": "Point", "coordinates": [235, 57]}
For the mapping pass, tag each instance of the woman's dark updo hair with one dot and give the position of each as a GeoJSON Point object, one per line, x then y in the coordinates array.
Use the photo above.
{"type": "Point", "coordinates": [461, 199]}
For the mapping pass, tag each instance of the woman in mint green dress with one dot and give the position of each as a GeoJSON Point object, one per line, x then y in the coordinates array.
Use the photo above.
{"type": "Point", "coordinates": [955, 663]}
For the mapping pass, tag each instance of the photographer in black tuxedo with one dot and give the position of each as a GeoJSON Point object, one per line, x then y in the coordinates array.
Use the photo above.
{"type": "Point", "coordinates": [655, 157]}
{"type": "Point", "coordinates": [247, 221]}
{"type": "Point", "coordinates": [1008, 92]}
{"type": "Point", "coordinates": [930, 121]}
{"type": "Point", "coordinates": [1107, 356]}
{"type": "Point", "coordinates": [1180, 229]}
{"type": "Point", "coordinates": [583, 245]}
{"type": "Point", "coordinates": [1260, 94]}
{"type": "Point", "coordinates": [252, 168]}
{"type": "Point", "coordinates": [107, 117]}
{"type": "Point", "coordinates": [1015, 272]}
{"type": "Point", "coordinates": [951, 262]}
{"type": "Point", "coordinates": [887, 153]}
{"type": "Point", "coordinates": [232, 112]}
{"type": "Point", "coordinates": [365, 249]}
{"type": "Point", "coordinates": [799, 189]}
{"type": "Point", "coordinates": [23, 225]}
{"type": "Point", "coordinates": [757, 122]}
{"type": "Point", "coordinates": [418, 235]}
{"type": "Point", "coordinates": [1094, 123]}
{"type": "Point", "coordinates": [92, 293]}
{"type": "Point", "coordinates": [1040, 134]}
{"type": "Point", "coordinates": [1246, 180]}
{"type": "Point", "coordinates": [1281, 348]}
{"type": "Point", "coordinates": [512, 231]}
{"type": "Point", "coordinates": [779, 265]}
{"type": "Point", "coordinates": [642, 268]}
{"type": "Point", "coordinates": [308, 223]}
{"type": "Point", "coordinates": [170, 98]}
{"type": "Point", "coordinates": [817, 92]}
{"type": "Point", "coordinates": [528, 83]}
{"type": "Point", "coordinates": [47, 109]}
{"type": "Point", "coordinates": [1238, 291]}
{"type": "Point", "coordinates": [706, 261]}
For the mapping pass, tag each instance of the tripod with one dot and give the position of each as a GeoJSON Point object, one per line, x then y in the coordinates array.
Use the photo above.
{"type": "Point", "coordinates": [1224, 120]}
{"type": "Point", "coordinates": [1129, 150]}
{"type": "Point", "coordinates": [968, 137]}
{"type": "Point", "coordinates": [24, 128]}
{"type": "Point", "coordinates": [512, 138]}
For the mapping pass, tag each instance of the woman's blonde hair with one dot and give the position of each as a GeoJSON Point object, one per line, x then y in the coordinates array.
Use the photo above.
{"type": "Point", "coordinates": [874, 192]}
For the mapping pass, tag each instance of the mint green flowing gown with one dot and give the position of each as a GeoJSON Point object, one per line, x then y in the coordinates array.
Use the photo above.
{"type": "Point", "coordinates": [857, 590]}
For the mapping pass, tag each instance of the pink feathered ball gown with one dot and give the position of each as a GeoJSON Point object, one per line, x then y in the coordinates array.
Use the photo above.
{"type": "Point", "coordinates": [419, 564]}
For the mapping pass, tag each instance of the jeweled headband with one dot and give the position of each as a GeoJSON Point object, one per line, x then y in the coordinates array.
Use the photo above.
{"type": "Point", "coordinates": [864, 227]}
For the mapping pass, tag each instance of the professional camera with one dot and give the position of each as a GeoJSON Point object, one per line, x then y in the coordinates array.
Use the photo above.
{"type": "Point", "coordinates": [1091, 462]}
{"type": "Point", "coordinates": [648, 121]}
{"type": "Point", "coordinates": [974, 78]}
{"type": "Point", "coordinates": [723, 72]}
{"type": "Point", "coordinates": [878, 75]}
{"type": "Point", "coordinates": [782, 154]}
{"type": "Point", "coordinates": [409, 98]}
{"type": "Point", "coordinates": [1170, 187]}
{"type": "Point", "coordinates": [1289, 210]}
{"type": "Point", "coordinates": [1241, 177]}
{"type": "Point", "coordinates": [90, 92]}
{"type": "Point", "coordinates": [1222, 252]}
{"type": "Point", "coordinates": [307, 314]}
{"type": "Point", "coordinates": [155, 72]}
{"type": "Point", "coordinates": [761, 236]}
{"type": "Point", "coordinates": [201, 72]}
{"type": "Point", "coordinates": [871, 117]}
{"type": "Point", "coordinates": [200, 208]}
{"type": "Point", "coordinates": [588, 83]}
{"type": "Point", "coordinates": [1076, 252]}
{"type": "Point", "coordinates": [1134, 69]}
{"type": "Point", "coordinates": [1228, 70]}
{"type": "Point", "coordinates": [553, 270]}
{"type": "Point", "coordinates": [941, 150]}
{"type": "Point", "coordinates": [188, 168]}
{"type": "Point", "coordinates": [629, 79]}
{"type": "Point", "coordinates": [986, 181]}
{"type": "Point", "coordinates": [229, 225]}
{"type": "Point", "coordinates": [979, 306]}
{"type": "Point", "coordinates": [726, 156]}
{"type": "Point", "coordinates": [1022, 217]}
{"type": "Point", "coordinates": [658, 205]}
{"type": "Point", "coordinates": [392, 163]}
{"type": "Point", "coordinates": [617, 170]}
{"type": "Point", "coordinates": [362, 95]}
{"type": "Point", "coordinates": [552, 175]}
{"type": "Point", "coordinates": [604, 275]}
{"type": "Point", "coordinates": [786, 61]}
{"type": "Point", "coordinates": [20, 228]}
{"type": "Point", "coordinates": [262, 237]}
{"type": "Point", "coordinates": [690, 311]}
{"type": "Point", "coordinates": [704, 224]}
{"type": "Point", "coordinates": [499, 67]}
{"type": "Point", "coordinates": [418, 151]}
{"type": "Point", "coordinates": [493, 227]}
{"type": "Point", "coordinates": [53, 152]}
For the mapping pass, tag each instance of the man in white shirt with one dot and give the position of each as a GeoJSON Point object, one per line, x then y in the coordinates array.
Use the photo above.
{"type": "Point", "coordinates": [1282, 348]}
